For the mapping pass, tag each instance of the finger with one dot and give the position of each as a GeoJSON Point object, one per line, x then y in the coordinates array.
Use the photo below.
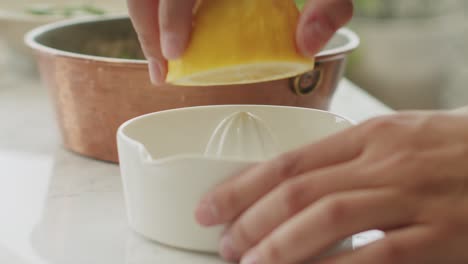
{"type": "Point", "coordinates": [320, 19]}
{"type": "Point", "coordinates": [405, 246]}
{"type": "Point", "coordinates": [285, 201]}
{"type": "Point", "coordinates": [232, 197]}
{"type": "Point", "coordinates": [175, 24]}
{"type": "Point", "coordinates": [144, 15]}
{"type": "Point", "coordinates": [325, 223]}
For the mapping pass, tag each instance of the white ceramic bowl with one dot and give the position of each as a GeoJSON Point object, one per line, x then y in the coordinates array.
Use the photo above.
{"type": "Point", "coordinates": [17, 17]}
{"type": "Point", "coordinates": [165, 170]}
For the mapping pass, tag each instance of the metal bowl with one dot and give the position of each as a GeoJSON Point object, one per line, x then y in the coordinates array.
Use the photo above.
{"type": "Point", "coordinates": [96, 88]}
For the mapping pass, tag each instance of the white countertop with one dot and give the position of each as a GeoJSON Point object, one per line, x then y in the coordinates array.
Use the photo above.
{"type": "Point", "coordinates": [60, 208]}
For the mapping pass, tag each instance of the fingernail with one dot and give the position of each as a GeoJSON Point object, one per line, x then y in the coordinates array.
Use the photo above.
{"type": "Point", "coordinates": [227, 248]}
{"type": "Point", "coordinates": [314, 35]}
{"type": "Point", "coordinates": [171, 46]}
{"type": "Point", "coordinates": [251, 258]}
{"type": "Point", "coordinates": [156, 71]}
{"type": "Point", "coordinates": [207, 213]}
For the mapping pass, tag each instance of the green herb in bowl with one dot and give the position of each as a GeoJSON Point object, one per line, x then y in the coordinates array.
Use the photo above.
{"type": "Point", "coordinates": [67, 11]}
{"type": "Point", "coordinates": [300, 3]}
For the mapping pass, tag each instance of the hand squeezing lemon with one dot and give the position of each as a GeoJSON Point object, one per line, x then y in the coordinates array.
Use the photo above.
{"type": "Point", "coordinates": [240, 41]}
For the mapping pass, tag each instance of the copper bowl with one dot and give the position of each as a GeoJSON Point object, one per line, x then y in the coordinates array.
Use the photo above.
{"type": "Point", "coordinates": [96, 88]}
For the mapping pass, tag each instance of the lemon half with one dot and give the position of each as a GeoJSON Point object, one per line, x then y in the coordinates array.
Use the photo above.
{"type": "Point", "coordinates": [240, 41]}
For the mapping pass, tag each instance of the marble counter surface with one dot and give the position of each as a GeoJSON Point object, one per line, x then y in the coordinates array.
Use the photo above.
{"type": "Point", "coordinates": [60, 208]}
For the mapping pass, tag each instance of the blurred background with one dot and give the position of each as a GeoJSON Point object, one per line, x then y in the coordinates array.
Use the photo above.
{"type": "Point", "coordinates": [414, 54]}
{"type": "Point", "coordinates": [17, 17]}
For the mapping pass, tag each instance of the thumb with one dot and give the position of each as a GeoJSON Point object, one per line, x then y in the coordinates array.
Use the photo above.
{"type": "Point", "coordinates": [319, 21]}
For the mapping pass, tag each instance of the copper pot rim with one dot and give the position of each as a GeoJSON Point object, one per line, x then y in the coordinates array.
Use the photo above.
{"type": "Point", "coordinates": [30, 39]}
